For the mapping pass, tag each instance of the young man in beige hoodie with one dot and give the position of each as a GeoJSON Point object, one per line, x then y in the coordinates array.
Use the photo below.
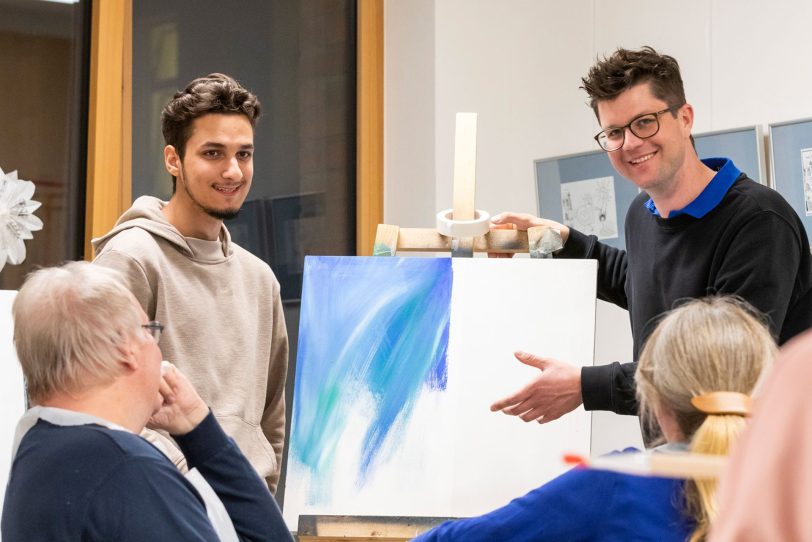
{"type": "Point", "coordinates": [221, 305]}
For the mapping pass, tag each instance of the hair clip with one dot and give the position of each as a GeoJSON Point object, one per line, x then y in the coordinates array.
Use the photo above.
{"type": "Point", "coordinates": [723, 402]}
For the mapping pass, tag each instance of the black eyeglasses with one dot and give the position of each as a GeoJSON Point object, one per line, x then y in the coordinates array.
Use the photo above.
{"type": "Point", "coordinates": [643, 127]}
{"type": "Point", "coordinates": [155, 328]}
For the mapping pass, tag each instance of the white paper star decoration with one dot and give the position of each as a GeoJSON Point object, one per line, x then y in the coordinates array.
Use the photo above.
{"type": "Point", "coordinates": [17, 219]}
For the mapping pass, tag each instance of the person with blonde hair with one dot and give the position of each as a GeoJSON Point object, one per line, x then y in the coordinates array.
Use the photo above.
{"type": "Point", "coordinates": [695, 377]}
{"type": "Point", "coordinates": [696, 374]}
{"type": "Point", "coordinates": [79, 469]}
{"type": "Point", "coordinates": [767, 492]}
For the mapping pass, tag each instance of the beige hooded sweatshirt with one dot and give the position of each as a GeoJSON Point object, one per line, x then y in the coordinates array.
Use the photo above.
{"type": "Point", "coordinates": [224, 326]}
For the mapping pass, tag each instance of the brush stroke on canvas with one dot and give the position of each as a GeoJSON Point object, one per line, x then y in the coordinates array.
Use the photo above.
{"type": "Point", "coordinates": [387, 342]}
{"type": "Point", "coordinates": [399, 360]}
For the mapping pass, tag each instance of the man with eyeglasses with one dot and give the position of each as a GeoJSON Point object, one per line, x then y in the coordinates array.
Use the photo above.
{"type": "Point", "coordinates": [698, 227]}
{"type": "Point", "coordinates": [80, 470]}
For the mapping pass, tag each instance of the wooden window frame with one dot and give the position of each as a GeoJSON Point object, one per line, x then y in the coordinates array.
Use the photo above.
{"type": "Point", "coordinates": [109, 168]}
{"type": "Point", "coordinates": [109, 133]}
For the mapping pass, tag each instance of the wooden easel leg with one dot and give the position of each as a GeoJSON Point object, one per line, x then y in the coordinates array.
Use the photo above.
{"type": "Point", "coordinates": [386, 240]}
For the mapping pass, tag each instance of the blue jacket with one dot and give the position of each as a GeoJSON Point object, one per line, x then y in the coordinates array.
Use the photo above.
{"type": "Point", "coordinates": [581, 505]}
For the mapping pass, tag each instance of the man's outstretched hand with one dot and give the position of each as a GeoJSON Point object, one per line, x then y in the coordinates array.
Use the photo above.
{"type": "Point", "coordinates": [553, 393]}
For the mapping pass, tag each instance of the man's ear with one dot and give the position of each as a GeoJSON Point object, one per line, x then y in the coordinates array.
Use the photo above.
{"type": "Point", "coordinates": [171, 160]}
{"type": "Point", "coordinates": [127, 356]}
{"type": "Point", "coordinates": [686, 118]}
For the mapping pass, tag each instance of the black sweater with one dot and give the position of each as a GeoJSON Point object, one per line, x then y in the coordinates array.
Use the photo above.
{"type": "Point", "coordinates": [752, 244]}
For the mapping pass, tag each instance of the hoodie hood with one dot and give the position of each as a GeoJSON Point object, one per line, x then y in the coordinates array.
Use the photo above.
{"type": "Point", "coordinates": [146, 214]}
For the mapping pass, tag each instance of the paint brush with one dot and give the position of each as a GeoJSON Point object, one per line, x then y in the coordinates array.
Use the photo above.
{"type": "Point", "coordinates": [666, 465]}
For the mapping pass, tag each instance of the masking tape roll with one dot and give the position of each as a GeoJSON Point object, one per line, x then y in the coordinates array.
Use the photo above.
{"type": "Point", "coordinates": [480, 225]}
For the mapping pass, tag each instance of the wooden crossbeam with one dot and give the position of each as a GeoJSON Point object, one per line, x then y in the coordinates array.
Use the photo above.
{"type": "Point", "coordinates": [391, 239]}
{"type": "Point", "coordinates": [325, 528]}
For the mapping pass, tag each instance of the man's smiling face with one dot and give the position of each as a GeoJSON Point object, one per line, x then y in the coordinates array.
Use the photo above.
{"type": "Point", "coordinates": [218, 165]}
{"type": "Point", "coordinates": [653, 163]}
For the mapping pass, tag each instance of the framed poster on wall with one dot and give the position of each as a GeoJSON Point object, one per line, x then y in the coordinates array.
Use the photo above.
{"type": "Point", "coordinates": [791, 165]}
{"type": "Point", "coordinates": [585, 192]}
{"type": "Point", "coordinates": [745, 146]}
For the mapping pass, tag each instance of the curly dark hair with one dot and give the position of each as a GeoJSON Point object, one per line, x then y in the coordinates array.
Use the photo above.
{"type": "Point", "coordinates": [610, 77]}
{"type": "Point", "coordinates": [214, 93]}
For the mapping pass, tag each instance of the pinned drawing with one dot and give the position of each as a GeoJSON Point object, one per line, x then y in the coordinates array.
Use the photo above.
{"type": "Point", "coordinates": [806, 166]}
{"type": "Point", "coordinates": [790, 141]}
{"type": "Point", "coordinates": [398, 362]}
{"type": "Point", "coordinates": [589, 206]}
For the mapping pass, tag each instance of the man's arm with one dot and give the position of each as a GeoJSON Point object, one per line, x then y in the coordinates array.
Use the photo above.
{"type": "Point", "coordinates": [525, 221]}
{"type": "Point", "coordinates": [612, 265]}
{"type": "Point", "coordinates": [251, 507]}
{"type": "Point", "coordinates": [246, 497]}
{"type": "Point", "coordinates": [553, 393]}
{"type": "Point", "coordinates": [273, 417]}
{"type": "Point", "coordinates": [761, 266]}
{"type": "Point", "coordinates": [610, 387]}
{"type": "Point", "coordinates": [611, 261]}
{"type": "Point", "coordinates": [560, 387]}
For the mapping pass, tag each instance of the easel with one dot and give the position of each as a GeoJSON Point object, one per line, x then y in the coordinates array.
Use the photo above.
{"type": "Point", "coordinates": [324, 528]}
{"type": "Point", "coordinates": [539, 241]}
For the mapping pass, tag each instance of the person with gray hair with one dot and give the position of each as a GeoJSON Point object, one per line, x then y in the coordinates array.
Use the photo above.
{"type": "Point", "coordinates": [95, 378]}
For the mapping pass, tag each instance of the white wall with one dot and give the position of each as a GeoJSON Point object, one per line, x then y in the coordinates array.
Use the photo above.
{"type": "Point", "coordinates": [518, 63]}
{"type": "Point", "coordinates": [12, 388]}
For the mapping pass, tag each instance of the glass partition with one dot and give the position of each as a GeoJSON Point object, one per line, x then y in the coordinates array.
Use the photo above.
{"type": "Point", "coordinates": [44, 62]}
{"type": "Point", "coordinates": [300, 60]}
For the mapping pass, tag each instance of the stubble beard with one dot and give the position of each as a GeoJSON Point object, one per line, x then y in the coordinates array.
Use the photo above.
{"type": "Point", "coordinates": [219, 214]}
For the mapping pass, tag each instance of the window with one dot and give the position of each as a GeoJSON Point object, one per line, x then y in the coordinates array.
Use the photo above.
{"type": "Point", "coordinates": [44, 58]}
{"type": "Point", "coordinates": [300, 60]}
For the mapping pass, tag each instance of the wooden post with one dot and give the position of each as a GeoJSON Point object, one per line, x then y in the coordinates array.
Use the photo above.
{"type": "Point", "coordinates": [464, 178]}
{"type": "Point", "coordinates": [369, 159]}
{"type": "Point", "coordinates": [109, 154]}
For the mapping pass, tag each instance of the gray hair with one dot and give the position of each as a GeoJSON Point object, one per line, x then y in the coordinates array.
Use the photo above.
{"type": "Point", "coordinates": [72, 326]}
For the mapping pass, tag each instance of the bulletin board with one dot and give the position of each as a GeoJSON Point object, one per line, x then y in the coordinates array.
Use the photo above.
{"type": "Point", "coordinates": [791, 166]}
{"type": "Point", "coordinates": [585, 192]}
{"type": "Point", "coordinates": [745, 146]}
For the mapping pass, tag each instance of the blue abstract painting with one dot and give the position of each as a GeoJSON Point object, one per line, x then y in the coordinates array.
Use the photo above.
{"type": "Point", "coordinates": [391, 323]}
{"type": "Point", "coordinates": [389, 412]}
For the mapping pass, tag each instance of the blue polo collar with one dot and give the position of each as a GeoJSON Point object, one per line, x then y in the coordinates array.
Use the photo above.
{"type": "Point", "coordinates": [711, 196]}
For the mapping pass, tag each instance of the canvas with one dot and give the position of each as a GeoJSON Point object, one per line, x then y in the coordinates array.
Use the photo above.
{"type": "Point", "coordinates": [12, 387]}
{"type": "Point", "coordinates": [398, 362]}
